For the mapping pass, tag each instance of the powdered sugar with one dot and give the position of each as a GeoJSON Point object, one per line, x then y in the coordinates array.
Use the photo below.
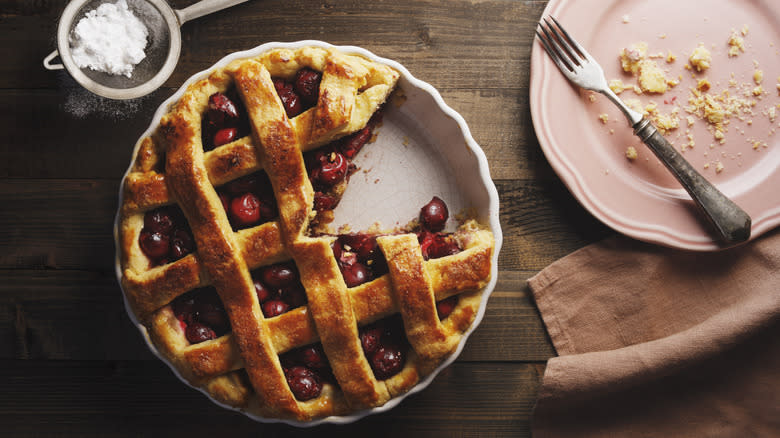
{"type": "Point", "coordinates": [109, 39]}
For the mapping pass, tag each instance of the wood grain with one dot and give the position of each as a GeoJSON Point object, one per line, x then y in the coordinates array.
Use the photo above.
{"type": "Point", "coordinates": [145, 399]}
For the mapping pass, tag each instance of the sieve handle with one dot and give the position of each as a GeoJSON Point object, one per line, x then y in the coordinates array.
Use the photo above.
{"type": "Point", "coordinates": [204, 7]}
{"type": "Point", "coordinates": [47, 61]}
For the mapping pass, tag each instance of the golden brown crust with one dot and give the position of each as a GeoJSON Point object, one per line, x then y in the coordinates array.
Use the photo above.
{"type": "Point", "coordinates": [336, 325]}
{"type": "Point", "coordinates": [416, 299]}
{"type": "Point", "coordinates": [243, 369]}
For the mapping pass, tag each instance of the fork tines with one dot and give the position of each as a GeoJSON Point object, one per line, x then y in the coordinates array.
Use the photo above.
{"type": "Point", "coordinates": [561, 47]}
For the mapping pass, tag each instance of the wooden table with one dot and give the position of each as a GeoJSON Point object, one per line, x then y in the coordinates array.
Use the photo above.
{"type": "Point", "coordinates": [73, 364]}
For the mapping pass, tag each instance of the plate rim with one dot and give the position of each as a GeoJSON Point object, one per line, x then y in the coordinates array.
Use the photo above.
{"type": "Point", "coordinates": [576, 184]}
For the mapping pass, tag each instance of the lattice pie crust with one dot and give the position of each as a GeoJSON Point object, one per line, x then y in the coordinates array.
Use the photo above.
{"type": "Point", "coordinates": [242, 368]}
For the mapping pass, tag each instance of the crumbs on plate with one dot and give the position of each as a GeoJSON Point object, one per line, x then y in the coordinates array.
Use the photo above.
{"type": "Point", "coordinates": [650, 71]}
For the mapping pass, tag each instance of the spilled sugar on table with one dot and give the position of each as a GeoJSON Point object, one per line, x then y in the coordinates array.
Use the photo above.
{"type": "Point", "coordinates": [72, 362]}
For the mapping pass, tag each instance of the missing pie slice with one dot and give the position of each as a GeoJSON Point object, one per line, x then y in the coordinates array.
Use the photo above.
{"type": "Point", "coordinates": [227, 262]}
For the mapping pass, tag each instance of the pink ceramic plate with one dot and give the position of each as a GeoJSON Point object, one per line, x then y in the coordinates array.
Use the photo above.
{"type": "Point", "coordinates": [640, 198]}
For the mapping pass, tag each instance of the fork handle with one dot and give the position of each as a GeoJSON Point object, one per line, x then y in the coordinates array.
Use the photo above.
{"type": "Point", "coordinates": [729, 220]}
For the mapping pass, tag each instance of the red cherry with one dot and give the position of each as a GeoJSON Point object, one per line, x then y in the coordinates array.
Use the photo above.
{"type": "Point", "coordinates": [351, 145]}
{"type": "Point", "coordinates": [280, 275]}
{"type": "Point", "coordinates": [154, 245]}
{"type": "Point", "coordinates": [370, 339]}
{"type": "Point", "coordinates": [355, 274]}
{"type": "Point", "coordinates": [313, 357]}
{"type": "Point", "coordinates": [426, 240]}
{"type": "Point", "coordinates": [159, 221]}
{"type": "Point", "coordinates": [225, 136]}
{"type": "Point", "coordinates": [274, 307]}
{"type": "Point", "coordinates": [323, 202]}
{"type": "Point", "coordinates": [295, 296]}
{"type": "Point", "coordinates": [445, 307]}
{"type": "Point", "coordinates": [181, 244]}
{"type": "Point", "coordinates": [307, 84]}
{"type": "Point", "coordinates": [183, 307]}
{"type": "Point", "coordinates": [361, 244]}
{"type": "Point", "coordinates": [387, 361]}
{"type": "Point", "coordinates": [212, 315]}
{"type": "Point", "coordinates": [434, 245]}
{"type": "Point", "coordinates": [245, 210]}
{"type": "Point", "coordinates": [442, 247]}
{"type": "Point", "coordinates": [304, 384]}
{"type": "Point", "coordinates": [433, 216]}
{"type": "Point", "coordinates": [197, 333]}
{"type": "Point", "coordinates": [290, 99]}
{"type": "Point", "coordinates": [337, 248]}
{"type": "Point", "coordinates": [263, 294]}
{"type": "Point", "coordinates": [346, 258]}
{"type": "Point", "coordinates": [282, 86]}
{"type": "Point", "coordinates": [332, 170]}
{"type": "Point", "coordinates": [221, 109]}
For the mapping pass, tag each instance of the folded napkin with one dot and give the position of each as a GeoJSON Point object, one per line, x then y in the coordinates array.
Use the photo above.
{"type": "Point", "coordinates": [660, 342]}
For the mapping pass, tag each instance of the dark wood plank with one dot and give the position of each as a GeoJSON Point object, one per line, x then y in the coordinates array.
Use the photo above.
{"type": "Point", "coordinates": [79, 315]}
{"type": "Point", "coordinates": [143, 398]}
{"type": "Point", "coordinates": [542, 222]}
{"type": "Point", "coordinates": [58, 223]}
{"type": "Point", "coordinates": [66, 315]}
{"type": "Point", "coordinates": [73, 133]}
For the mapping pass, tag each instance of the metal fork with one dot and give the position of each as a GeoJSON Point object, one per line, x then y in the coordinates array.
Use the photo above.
{"type": "Point", "coordinates": [731, 222]}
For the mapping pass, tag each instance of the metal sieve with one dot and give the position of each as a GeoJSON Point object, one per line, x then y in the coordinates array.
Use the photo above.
{"type": "Point", "coordinates": [162, 50]}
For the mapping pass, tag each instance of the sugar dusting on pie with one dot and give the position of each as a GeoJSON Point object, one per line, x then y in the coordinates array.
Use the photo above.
{"type": "Point", "coordinates": [228, 262]}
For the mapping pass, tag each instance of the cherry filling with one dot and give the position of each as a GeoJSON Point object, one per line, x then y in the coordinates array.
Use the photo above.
{"type": "Point", "coordinates": [225, 120]}
{"type": "Point", "coordinates": [433, 243]}
{"type": "Point", "coordinates": [327, 167]}
{"type": "Point", "coordinates": [307, 85]}
{"type": "Point", "coordinates": [445, 307]}
{"type": "Point", "coordinates": [330, 169]}
{"type": "Point", "coordinates": [434, 214]}
{"type": "Point", "coordinates": [359, 258]}
{"type": "Point", "coordinates": [279, 289]}
{"type": "Point", "coordinates": [201, 315]}
{"type": "Point", "coordinates": [306, 369]}
{"type": "Point", "coordinates": [385, 346]}
{"type": "Point", "coordinates": [300, 92]}
{"type": "Point", "coordinates": [165, 236]}
{"type": "Point", "coordinates": [330, 165]}
{"type": "Point", "coordinates": [248, 200]}
{"type": "Point", "coordinates": [437, 245]}
{"type": "Point", "coordinates": [349, 146]}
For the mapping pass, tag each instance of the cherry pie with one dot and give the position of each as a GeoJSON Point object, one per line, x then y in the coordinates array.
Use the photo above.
{"type": "Point", "coordinates": [228, 262]}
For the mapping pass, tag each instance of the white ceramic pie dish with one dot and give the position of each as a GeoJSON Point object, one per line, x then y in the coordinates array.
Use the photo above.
{"type": "Point", "coordinates": [423, 148]}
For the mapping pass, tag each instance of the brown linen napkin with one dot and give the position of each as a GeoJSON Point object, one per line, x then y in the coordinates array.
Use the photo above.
{"type": "Point", "coordinates": [661, 342]}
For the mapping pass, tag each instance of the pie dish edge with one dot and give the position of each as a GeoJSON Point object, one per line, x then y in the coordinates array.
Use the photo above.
{"type": "Point", "coordinates": [491, 219]}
